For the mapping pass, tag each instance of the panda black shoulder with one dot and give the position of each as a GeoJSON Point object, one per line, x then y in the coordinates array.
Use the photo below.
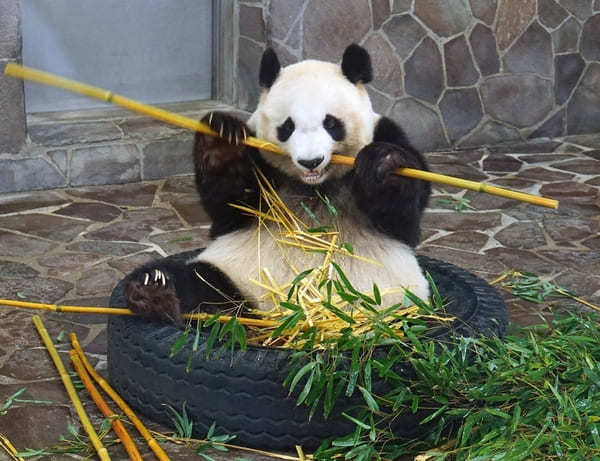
{"type": "Point", "coordinates": [387, 130]}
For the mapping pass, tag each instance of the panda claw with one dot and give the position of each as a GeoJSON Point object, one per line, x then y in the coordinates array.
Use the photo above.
{"type": "Point", "coordinates": [146, 278]}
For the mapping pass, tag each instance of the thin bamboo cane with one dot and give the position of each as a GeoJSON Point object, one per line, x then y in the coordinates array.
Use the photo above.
{"type": "Point", "coordinates": [66, 379]}
{"type": "Point", "coordinates": [116, 424]}
{"type": "Point", "coordinates": [27, 73]}
{"type": "Point", "coordinates": [152, 443]}
{"type": "Point", "coordinates": [121, 311]}
{"type": "Point", "coordinates": [9, 448]}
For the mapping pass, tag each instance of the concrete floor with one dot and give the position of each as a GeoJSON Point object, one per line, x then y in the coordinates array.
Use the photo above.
{"type": "Point", "coordinates": [71, 246]}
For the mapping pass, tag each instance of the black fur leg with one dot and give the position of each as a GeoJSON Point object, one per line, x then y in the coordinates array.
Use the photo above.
{"type": "Point", "coordinates": [164, 290]}
{"type": "Point", "coordinates": [394, 203]}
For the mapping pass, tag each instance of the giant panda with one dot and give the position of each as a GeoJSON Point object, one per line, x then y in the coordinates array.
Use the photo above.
{"type": "Point", "coordinates": [312, 109]}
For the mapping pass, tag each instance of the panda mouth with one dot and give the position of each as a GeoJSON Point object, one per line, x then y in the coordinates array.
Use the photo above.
{"type": "Point", "coordinates": [313, 176]}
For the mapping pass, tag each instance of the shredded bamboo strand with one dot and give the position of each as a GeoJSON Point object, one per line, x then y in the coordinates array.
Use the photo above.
{"type": "Point", "coordinates": [46, 78]}
{"type": "Point", "coordinates": [9, 448]}
{"type": "Point", "coordinates": [116, 424]}
{"type": "Point", "coordinates": [66, 379]}
{"type": "Point", "coordinates": [152, 443]}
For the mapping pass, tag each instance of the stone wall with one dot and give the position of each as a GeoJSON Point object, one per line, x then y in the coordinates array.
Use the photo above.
{"type": "Point", "coordinates": [454, 73]}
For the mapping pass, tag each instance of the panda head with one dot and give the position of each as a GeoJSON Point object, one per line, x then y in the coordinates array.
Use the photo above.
{"type": "Point", "coordinates": [313, 109]}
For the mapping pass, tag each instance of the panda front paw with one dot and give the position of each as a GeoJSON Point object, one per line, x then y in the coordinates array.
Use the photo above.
{"type": "Point", "coordinates": [230, 128]}
{"type": "Point", "coordinates": [150, 295]}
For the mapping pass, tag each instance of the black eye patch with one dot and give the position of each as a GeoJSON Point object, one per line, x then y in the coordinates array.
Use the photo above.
{"type": "Point", "coordinates": [335, 127]}
{"type": "Point", "coordinates": [285, 130]}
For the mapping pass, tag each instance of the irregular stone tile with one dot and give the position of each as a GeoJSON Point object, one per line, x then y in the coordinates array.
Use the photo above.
{"type": "Point", "coordinates": [35, 289]}
{"type": "Point", "coordinates": [461, 221]}
{"type": "Point", "coordinates": [596, 5]}
{"type": "Point", "coordinates": [183, 240]}
{"type": "Point", "coordinates": [334, 25]}
{"type": "Point", "coordinates": [553, 127]}
{"type": "Point", "coordinates": [59, 158]}
{"type": "Point", "coordinates": [484, 10]}
{"type": "Point", "coordinates": [591, 140]}
{"type": "Point", "coordinates": [579, 283]}
{"type": "Point", "coordinates": [502, 164]}
{"type": "Point", "coordinates": [52, 391]}
{"type": "Point", "coordinates": [63, 265]}
{"type": "Point", "coordinates": [568, 70]}
{"type": "Point", "coordinates": [86, 319]}
{"type": "Point", "coordinates": [381, 11]}
{"type": "Point", "coordinates": [92, 211]}
{"type": "Point", "coordinates": [481, 201]}
{"type": "Point", "coordinates": [145, 128]}
{"type": "Point", "coordinates": [160, 218]}
{"type": "Point", "coordinates": [21, 246]}
{"type": "Point", "coordinates": [590, 39]}
{"type": "Point", "coordinates": [582, 166]}
{"type": "Point", "coordinates": [474, 262]}
{"type": "Point", "coordinates": [490, 133]}
{"type": "Point", "coordinates": [582, 9]}
{"type": "Point", "coordinates": [463, 156]}
{"type": "Point", "coordinates": [424, 72]}
{"type": "Point", "coordinates": [135, 194]}
{"type": "Point", "coordinates": [99, 280]}
{"type": "Point", "coordinates": [461, 111]}
{"type": "Point", "coordinates": [251, 22]}
{"type": "Point", "coordinates": [387, 72]}
{"type": "Point", "coordinates": [98, 345]}
{"type": "Point", "coordinates": [512, 20]}
{"type": "Point", "coordinates": [543, 174]}
{"type": "Point", "coordinates": [248, 61]}
{"type": "Point", "coordinates": [10, 269]}
{"type": "Point", "coordinates": [404, 33]}
{"type": "Point", "coordinates": [531, 53]}
{"type": "Point", "coordinates": [13, 203]}
{"type": "Point", "coordinates": [483, 44]}
{"type": "Point", "coordinates": [112, 164]}
{"type": "Point", "coordinates": [379, 101]}
{"type": "Point", "coordinates": [180, 184]}
{"type": "Point", "coordinates": [514, 183]}
{"type": "Point", "coordinates": [533, 146]}
{"type": "Point", "coordinates": [460, 70]}
{"type": "Point", "coordinates": [543, 158]}
{"type": "Point", "coordinates": [421, 124]}
{"type": "Point", "coordinates": [284, 15]}
{"type": "Point", "coordinates": [46, 226]}
{"type": "Point", "coordinates": [503, 93]}
{"type": "Point", "coordinates": [63, 134]}
{"type": "Point", "coordinates": [106, 248]}
{"type": "Point", "coordinates": [445, 18]}
{"type": "Point", "coordinates": [522, 235]}
{"type": "Point", "coordinates": [460, 171]}
{"type": "Point", "coordinates": [29, 173]}
{"type": "Point", "coordinates": [36, 427]}
{"type": "Point", "coordinates": [566, 37]}
{"type": "Point", "coordinates": [168, 158]}
{"type": "Point", "coordinates": [123, 231]}
{"type": "Point", "coordinates": [551, 13]}
{"type": "Point", "coordinates": [575, 259]}
{"type": "Point", "coordinates": [521, 260]}
{"type": "Point", "coordinates": [130, 263]}
{"type": "Point", "coordinates": [400, 6]}
{"type": "Point", "coordinates": [472, 241]}
{"type": "Point", "coordinates": [593, 243]}
{"type": "Point", "coordinates": [570, 229]}
{"type": "Point", "coordinates": [593, 154]}
{"type": "Point", "coordinates": [583, 112]}
{"type": "Point", "coordinates": [283, 54]}
{"type": "Point", "coordinates": [571, 192]}
{"type": "Point", "coordinates": [190, 209]}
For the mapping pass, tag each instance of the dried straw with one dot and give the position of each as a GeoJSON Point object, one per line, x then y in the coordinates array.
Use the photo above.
{"type": "Point", "coordinates": [66, 379]}
{"type": "Point", "coordinates": [27, 73]}
{"type": "Point", "coordinates": [152, 443]}
{"type": "Point", "coordinates": [116, 424]}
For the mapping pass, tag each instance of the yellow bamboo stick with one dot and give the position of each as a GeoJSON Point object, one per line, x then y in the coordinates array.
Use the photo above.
{"type": "Point", "coordinates": [152, 443]}
{"type": "Point", "coordinates": [9, 448]}
{"type": "Point", "coordinates": [66, 379]}
{"type": "Point", "coordinates": [116, 424]}
{"type": "Point", "coordinates": [46, 78]}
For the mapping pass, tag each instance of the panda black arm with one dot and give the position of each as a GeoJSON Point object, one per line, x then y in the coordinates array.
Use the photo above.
{"type": "Point", "coordinates": [394, 204]}
{"type": "Point", "coordinates": [224, 173]}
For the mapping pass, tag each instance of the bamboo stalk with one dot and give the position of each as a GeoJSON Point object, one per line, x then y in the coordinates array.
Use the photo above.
{"type": "Point", "coordinates": [152, 443]}
{"type": "Point", "coordinates": [46, 78]}
{"type": "Point", "coordinates": [122, 311]}
{"type": "Point", "coordinates": [116, 424]}
{"type": "Point", "coordinates": [9, 448]}
{"type": "Point", "coordinates": [66, 379]}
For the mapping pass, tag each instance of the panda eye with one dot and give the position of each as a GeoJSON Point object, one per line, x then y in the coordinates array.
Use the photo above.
{"type": "Point", "coordinates": [334, 127]}
{"type": "Point", "coordinates": [285, 130]}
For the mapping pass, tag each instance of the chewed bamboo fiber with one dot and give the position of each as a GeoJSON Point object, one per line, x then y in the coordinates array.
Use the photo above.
{"type": "Point", "coordinates": [152, 443]}
{"type": "Point", "coordinates": [66, 379]}
{"type": "Point", "coordinates": [116, 424]}
{"type": "Point", "coordinates": [46, 78]}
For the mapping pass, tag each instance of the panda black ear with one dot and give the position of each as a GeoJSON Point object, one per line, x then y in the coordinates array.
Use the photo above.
{"type": "Point", "coordinates": [356, 64]}
{"type": "Point", "coordinates": [269, 68]}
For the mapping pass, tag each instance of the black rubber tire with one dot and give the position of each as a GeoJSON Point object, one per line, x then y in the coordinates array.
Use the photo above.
{"type": "Point", "coordinates": [244, 395]}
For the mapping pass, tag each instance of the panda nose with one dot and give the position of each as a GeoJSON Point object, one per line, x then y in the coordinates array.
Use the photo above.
{"type": "Point", "coordinates": [312, 163]}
